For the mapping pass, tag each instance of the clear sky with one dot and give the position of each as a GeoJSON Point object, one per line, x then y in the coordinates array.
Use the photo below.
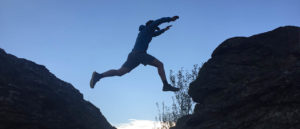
{"type": "Point", "coordinates": [72, 38]}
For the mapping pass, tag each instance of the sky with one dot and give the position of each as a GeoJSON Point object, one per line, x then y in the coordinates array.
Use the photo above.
{"type": "Point", "coordinates": [73, 38]}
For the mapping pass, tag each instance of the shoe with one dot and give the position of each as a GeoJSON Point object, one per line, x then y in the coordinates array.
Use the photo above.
{"type": "Point", "coordinates": [95, 78]}
{"type": "Point", "coordinates": [168, 87]}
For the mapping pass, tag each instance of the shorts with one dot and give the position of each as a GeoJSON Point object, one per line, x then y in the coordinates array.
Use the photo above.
{"type": "Point", "coordinates": [136, 58]}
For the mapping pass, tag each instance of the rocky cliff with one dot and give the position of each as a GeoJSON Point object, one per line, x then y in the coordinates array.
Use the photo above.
{"type": "Point", "coordinates": [249, 83]}
{"type": "Point", "coordinates": [33, 98]}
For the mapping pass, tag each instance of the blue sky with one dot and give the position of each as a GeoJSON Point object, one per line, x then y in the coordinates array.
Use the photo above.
{"type": "Point", "coordinates": [72, 38]}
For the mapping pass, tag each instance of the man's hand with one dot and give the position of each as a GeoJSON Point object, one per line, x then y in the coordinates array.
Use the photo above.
{"type": "Point", "coordinates": [168, 27]}
{"type": "Point", "coordinates": [175, 18]}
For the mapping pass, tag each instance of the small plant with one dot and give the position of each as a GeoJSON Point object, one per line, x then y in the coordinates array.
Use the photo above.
{"type": "Point", "coordinates": [182, 103]}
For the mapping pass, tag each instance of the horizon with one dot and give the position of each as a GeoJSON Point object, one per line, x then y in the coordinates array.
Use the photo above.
{"type": "Point", "coordinates": [74, 38]}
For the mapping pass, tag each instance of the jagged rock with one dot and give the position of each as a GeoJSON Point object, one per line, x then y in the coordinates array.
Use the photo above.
{"type": "Point", "coordinates": [249, 83]}
{"type": "Point", "coordinates": [33, 98]}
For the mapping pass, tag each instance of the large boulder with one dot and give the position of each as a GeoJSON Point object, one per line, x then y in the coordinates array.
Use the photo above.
{"type": "Point", "coordinates": [33, 98]}
{"type": "Point", "coordinates": [249, 83]}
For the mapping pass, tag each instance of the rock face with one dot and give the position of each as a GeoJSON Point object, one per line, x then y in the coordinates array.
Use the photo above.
{"type": "Point", "coordinates": [33, 98]}
{"type": "Point", "coordinates": [249, 83]}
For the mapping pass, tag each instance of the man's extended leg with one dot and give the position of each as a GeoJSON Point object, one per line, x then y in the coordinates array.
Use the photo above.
{"type": "Point", "coordinates": [113, 72]}
{"type": "Point", "coordinates": [161, 71]}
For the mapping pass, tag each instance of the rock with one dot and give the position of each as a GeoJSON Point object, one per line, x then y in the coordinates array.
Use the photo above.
{"type": "Point", "coordinates": [249, 83]}
{"type": "Point", "coordinates": [33, 98]}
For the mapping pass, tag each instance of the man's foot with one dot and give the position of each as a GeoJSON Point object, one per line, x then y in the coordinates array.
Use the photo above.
{"type": "Point", "coordinates": [95, 78]}
{"type": "Point", "coordinates": [168, 87]}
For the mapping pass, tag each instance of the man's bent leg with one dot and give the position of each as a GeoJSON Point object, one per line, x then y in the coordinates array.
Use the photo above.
{"type": "Point", "coordinates": [161, 71]}
{"type": "Point", "coordinates": [160, 68]}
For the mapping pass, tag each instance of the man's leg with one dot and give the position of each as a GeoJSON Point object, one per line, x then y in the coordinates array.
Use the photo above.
{"type": "Point", "coordinates": [160, 68]}
{"type": "Point", "coordinates": [161, 71]}
{"type": "Point", "coordinates": [113, 72]}
{"type": "Point", "coordinates": [131, 63]}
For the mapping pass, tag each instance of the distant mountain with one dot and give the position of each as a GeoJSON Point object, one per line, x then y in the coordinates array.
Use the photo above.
{"type": "Point", "coordinates": [249, 83]}
{"type": "Point", "coordinates": [33, 98]}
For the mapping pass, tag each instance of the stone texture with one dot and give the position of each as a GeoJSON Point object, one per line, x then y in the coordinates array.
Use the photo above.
{"type": "Point", "coordinates": [33, 98]}
{"type": "Point", "coordinates": [249, 83]}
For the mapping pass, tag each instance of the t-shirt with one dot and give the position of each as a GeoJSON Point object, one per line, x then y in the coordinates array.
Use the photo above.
{"type": "Point", "coordinates": [147, 32]}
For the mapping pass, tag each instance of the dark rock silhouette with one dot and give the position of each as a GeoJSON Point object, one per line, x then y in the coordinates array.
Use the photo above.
{"type": "Point", "coordinates": [33, 98]}
{"type": "Point", "coordinates": [249, 83]}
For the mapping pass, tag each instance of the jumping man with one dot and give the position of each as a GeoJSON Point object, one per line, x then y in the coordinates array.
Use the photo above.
{"type": "Point", "coordinates": [139, 54]}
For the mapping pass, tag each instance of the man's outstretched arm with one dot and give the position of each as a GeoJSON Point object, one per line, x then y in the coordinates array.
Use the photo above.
{"type": "Point", "coordinates": [163, 20]}
{"type": "Point", "coordinates": [159, 32]}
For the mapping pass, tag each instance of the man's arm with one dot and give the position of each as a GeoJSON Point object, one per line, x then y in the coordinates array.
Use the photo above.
{"type": "Point", "coordinates": [163, 20]}
{"type": "Point", "coordinates": [159, 32]}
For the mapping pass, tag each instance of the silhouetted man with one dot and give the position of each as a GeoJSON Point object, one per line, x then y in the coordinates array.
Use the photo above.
{"type": "Point", "coordinates": [139, 54]}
